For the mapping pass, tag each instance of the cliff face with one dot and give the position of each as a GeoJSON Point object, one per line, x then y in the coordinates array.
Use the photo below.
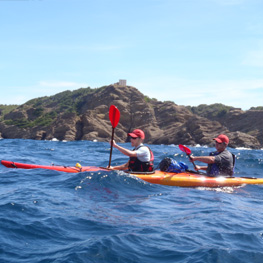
{"type": "Point", "coordinates": [83, 115]}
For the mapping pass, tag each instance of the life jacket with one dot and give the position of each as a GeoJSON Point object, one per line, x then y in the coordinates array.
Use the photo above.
{"type": "Point", "coordinates": [214, 169]}
{"type": "Point", "coordinates": [136, 165]}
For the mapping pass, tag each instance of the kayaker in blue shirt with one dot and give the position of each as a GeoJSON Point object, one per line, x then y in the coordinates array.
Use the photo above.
{"type": "Point", "coordinates": [220, 162]}
{"type": "Point", "coordinates": [141, 157]}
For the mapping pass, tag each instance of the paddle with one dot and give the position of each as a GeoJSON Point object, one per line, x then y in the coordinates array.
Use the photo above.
{"type": "Point", "coordinates": [187, 151]}
{"type": "Point", "coordinates": [114, 116]}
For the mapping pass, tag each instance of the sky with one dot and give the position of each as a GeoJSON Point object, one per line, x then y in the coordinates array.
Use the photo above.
{"type": "Point", "coordinates": [190, 52]}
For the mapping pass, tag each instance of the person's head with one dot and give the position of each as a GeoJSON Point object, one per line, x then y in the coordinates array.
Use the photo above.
{"type": "Point", "coordinates": [137, 136]}
{"type": "Point", "coordinates": [221, 142]}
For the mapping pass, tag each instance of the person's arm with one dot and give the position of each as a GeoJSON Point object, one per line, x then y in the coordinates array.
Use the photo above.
{"type": "Point", "coordinates": [120, 167]}
{"type": "Point", "coordinates": [197, 168]}
{"type": "Point", "coordinates": [203, 159]}
{"type": "Point", "coordinates": [123, 150]}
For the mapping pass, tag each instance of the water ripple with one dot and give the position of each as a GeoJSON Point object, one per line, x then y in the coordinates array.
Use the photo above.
{"type": "Point", "coordinates": [49, 216]}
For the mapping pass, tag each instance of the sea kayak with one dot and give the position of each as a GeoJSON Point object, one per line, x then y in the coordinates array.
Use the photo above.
{"type": "Point", "coordinates": [184, 179]}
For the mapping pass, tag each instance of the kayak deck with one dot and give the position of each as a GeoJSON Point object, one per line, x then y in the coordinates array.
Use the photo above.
{"type": "Point", "coordinates": [67, 169]}
{"type": "Point", "coordinates": [184, 179]}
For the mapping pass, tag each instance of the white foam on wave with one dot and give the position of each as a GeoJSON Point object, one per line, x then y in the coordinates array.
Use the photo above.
{"type": "Point", "coordinates": [198, 146]}
{"type": "Point", "coordinates": [226, 189]}
{"type": "Point", "coordinates": [243, 148]}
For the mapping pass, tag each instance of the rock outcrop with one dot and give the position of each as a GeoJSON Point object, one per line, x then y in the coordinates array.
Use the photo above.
{"type": "Point", "coordinates": [83, 115]}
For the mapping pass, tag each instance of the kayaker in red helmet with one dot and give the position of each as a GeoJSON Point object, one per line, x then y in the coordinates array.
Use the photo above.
{"type": "Point", "coordinates": [220, 162]}
{"type": "Point", "coordinates": [141, 157]}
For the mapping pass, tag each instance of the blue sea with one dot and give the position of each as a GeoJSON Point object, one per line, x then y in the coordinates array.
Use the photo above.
{"type": "Point", "coordinates": [49, 216]}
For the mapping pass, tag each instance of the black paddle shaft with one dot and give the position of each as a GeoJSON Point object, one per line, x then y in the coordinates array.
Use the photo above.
{"type": "Point", "coordinates": [112, 137]}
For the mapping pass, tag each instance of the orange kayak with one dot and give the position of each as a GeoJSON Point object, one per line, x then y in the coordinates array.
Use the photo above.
{"type": "Point", "coordinates": [185, 179]}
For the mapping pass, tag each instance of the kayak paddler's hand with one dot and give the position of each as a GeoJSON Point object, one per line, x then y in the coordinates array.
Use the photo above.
{"type": "Point", "coordinates": [191, 158]}
{"type": "Point", "coordinates": [197, 168]}
{"type": "Point", "coordinates": [113, 143]}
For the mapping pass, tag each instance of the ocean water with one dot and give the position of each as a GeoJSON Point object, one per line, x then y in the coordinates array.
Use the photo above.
{"type": "Point", "coordinates": [50, 216]}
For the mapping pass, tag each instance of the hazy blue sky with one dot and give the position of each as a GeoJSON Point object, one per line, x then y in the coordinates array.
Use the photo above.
{"type": "Point", "coordinates": [188, 51]}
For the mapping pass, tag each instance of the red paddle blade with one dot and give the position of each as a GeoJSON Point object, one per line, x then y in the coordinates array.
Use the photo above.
{"type": "Point", "coordinates": [114, 115]}
{"type": "Point", "coordinates": [184, 149]}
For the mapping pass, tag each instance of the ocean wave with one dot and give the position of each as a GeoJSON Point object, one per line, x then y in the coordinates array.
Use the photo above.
{"type": "Point", "coordinates": [51, 216]}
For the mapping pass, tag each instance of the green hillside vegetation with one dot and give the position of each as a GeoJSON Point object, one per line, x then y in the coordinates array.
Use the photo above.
{"type": "Point", "coordinates": [4, 109]}
{"type": "Point", "coordinates": [44, 110]}
{"type": "Point", "coordinates": [212, 111]}
{"type": "Point", "coordinates": [43, 120]}
{"type": "Point", "coordinates": [66, 101]}
{"type": "Point", "coordinates": [257, 108]}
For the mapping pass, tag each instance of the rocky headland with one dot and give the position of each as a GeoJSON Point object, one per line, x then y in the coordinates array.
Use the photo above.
{"type": "Point", "coordinates": [83, 114]}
